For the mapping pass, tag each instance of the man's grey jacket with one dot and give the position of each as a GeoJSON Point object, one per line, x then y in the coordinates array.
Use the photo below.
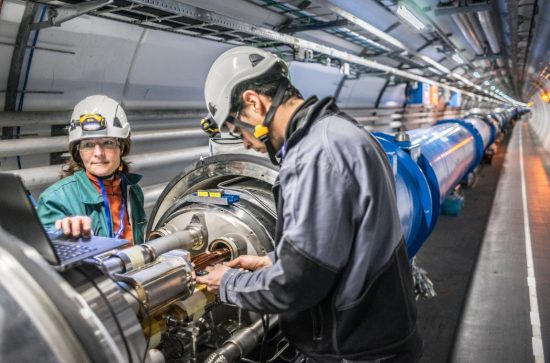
{"type": "Point", "coordinates": [341, 280]}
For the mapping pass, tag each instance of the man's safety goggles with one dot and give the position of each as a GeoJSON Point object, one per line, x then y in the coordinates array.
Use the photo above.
{"type": "Point", "coordinates": [235, 125]}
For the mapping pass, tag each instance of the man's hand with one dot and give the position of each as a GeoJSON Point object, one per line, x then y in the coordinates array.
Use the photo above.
{"type": "Point", "coordinates": [214, 277]}
{"type": "Point", "coordinates": [75, 227]}
{"type": "Point", "coordinates": [251, 263]}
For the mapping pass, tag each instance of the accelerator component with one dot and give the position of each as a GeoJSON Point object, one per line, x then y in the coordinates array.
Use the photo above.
{"type": "Point", "coordinates": [429, 163]}
{"type": "Point", "coordinates": [143, 303]}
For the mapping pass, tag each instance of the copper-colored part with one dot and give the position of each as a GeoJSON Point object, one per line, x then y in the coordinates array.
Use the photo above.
{"type": "Point", "coordinates": [201, 261]}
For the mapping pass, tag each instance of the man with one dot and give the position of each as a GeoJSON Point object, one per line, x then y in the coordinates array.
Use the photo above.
{"type": "Point", "coordinates": [97, 194]}
{"type": "Point", "coordinates": [340, 278]}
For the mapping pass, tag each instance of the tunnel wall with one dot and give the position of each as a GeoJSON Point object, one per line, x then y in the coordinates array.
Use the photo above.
{"type": "Point", "coordinates": [540, 121]}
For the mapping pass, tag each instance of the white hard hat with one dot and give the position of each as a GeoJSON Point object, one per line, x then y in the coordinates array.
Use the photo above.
{"type": "Point", "coordinates": [230, 69]}
{"type": "Point", "coordinates": [98, 116]}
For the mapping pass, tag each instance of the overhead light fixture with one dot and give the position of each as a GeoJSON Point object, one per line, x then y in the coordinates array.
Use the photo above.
{"type": "Point", "coordinates": [493, 87]}
{"type": "Point", "coordinates": [486, 83]}
{"type": "Point", "coordinates": [404, 13]}
{"type": "Point", "coordinates": [345, 69]}
{"type": "Point", "coordinates": [457, 58]}
{"type": "Point", "coordinates": [477, 75]}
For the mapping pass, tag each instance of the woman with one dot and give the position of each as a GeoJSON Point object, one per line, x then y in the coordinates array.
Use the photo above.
{"type": "Point", "coordinates": [97, 194]}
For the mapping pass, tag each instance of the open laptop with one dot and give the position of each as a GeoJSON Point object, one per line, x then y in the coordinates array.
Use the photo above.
{"type": "Point", "coordinates": [18, 217]}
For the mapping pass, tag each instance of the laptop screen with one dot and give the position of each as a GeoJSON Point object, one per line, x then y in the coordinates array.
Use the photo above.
{"type": "Point", "coordinates": [19, 218]}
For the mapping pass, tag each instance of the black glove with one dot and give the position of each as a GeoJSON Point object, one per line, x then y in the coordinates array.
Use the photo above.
{"type": "Point", "coordinates": [209, 126]}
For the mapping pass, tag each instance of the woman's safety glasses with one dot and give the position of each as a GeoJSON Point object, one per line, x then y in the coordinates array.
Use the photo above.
{"type": "Point", "coordinates": [105, 144]}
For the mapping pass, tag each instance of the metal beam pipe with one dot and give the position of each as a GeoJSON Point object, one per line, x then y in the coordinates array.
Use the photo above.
{"type": "Point", "coordinates": [40, 145]}
{"type": "Point", "coordinates": [484, 18]}
{"type": "Point", "coordinates": [241, 343]}
{"type": "Point", "coordinates": [31, 146]}
{"type": "Point", "coordinates": [487, 25]}
{"type": "Point", "coordinates": [468, 32]}
{"type": "Point", "coordinates": [142, 136]}
{"type": "Point", "coordinates": [11, 119]}
{"type": "Point", "coordinates": [138, 256]}
{"type": "Point", "coordinates": [165, 115]}
{"type": "Point", "coordinates": [46, 175]}
{"type": "Point", "coordinates": [474, 22]}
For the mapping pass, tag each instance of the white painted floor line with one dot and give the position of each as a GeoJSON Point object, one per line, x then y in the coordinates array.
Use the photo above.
{"type": "Point", "coordinates": [536, 341]}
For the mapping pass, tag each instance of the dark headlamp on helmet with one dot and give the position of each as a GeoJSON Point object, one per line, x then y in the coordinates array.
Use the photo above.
{"type": "Point", "coordinates": [92, 122]}
{"type": "Point", "coordinates": [209, 126]}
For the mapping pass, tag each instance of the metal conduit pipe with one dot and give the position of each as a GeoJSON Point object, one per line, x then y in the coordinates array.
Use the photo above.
{"type": "Point", "coordinates": [140, 136]}
{"type": "Point", "coordinates": [472, 19]}
{"type": "Point", "coordinates": [487, 25]}
{"type": "Point", "coordinates": [467, 30]}
{"type": "Point", "coordinates": [39, 145]}
{"type": "Point", "coordinates": [35, 145]}
{"type": "Point", "coordinates": [46, 175]}
{"type": "Point", "coordinates": [165, 115]}
{"type": "Point", "coordinates": [12, 119]}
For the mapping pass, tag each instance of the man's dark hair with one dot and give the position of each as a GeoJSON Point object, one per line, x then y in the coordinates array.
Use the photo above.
{"type": "Point", "coordinates": [265, 85]}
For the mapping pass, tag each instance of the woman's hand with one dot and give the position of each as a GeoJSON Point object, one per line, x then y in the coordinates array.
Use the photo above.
{"type": "Point", "coordinates": [75, 227]}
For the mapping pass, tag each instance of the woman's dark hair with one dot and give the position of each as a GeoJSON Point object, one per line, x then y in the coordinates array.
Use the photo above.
{"type": "Point", "coordinates": [265, 85]}
{"type": "Point", "coordinates": [74, 163]}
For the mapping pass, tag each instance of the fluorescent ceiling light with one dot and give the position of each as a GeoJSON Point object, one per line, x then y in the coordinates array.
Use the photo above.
{"type": "Point", "coordinates": [404, 13]}
{"type": "Point", "coordinates": [457, 58]}
{"type": "Point", "coordinates": [477, 75]}
{"type": "Point", "coordinates": [433, 70]}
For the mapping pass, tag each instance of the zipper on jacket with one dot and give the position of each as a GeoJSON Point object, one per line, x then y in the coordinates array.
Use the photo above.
{"type": "Point", "coordinates": [408, 307]}
{"type": "Point", "coordinates": [317, 322]}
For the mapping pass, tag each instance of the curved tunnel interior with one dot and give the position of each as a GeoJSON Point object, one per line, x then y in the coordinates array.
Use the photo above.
{"type": "Point", "coordinates": [443, 86]}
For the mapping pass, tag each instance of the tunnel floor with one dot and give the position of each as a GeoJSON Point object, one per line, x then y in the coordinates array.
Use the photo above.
{"type": "Point", "coordinates": [449, 256]}
{"type": "Point", "coordinates": [490, 307]}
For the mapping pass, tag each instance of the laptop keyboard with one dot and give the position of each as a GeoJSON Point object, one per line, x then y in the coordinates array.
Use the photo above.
{"type": "Point", "coordinates": [66, 251]}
